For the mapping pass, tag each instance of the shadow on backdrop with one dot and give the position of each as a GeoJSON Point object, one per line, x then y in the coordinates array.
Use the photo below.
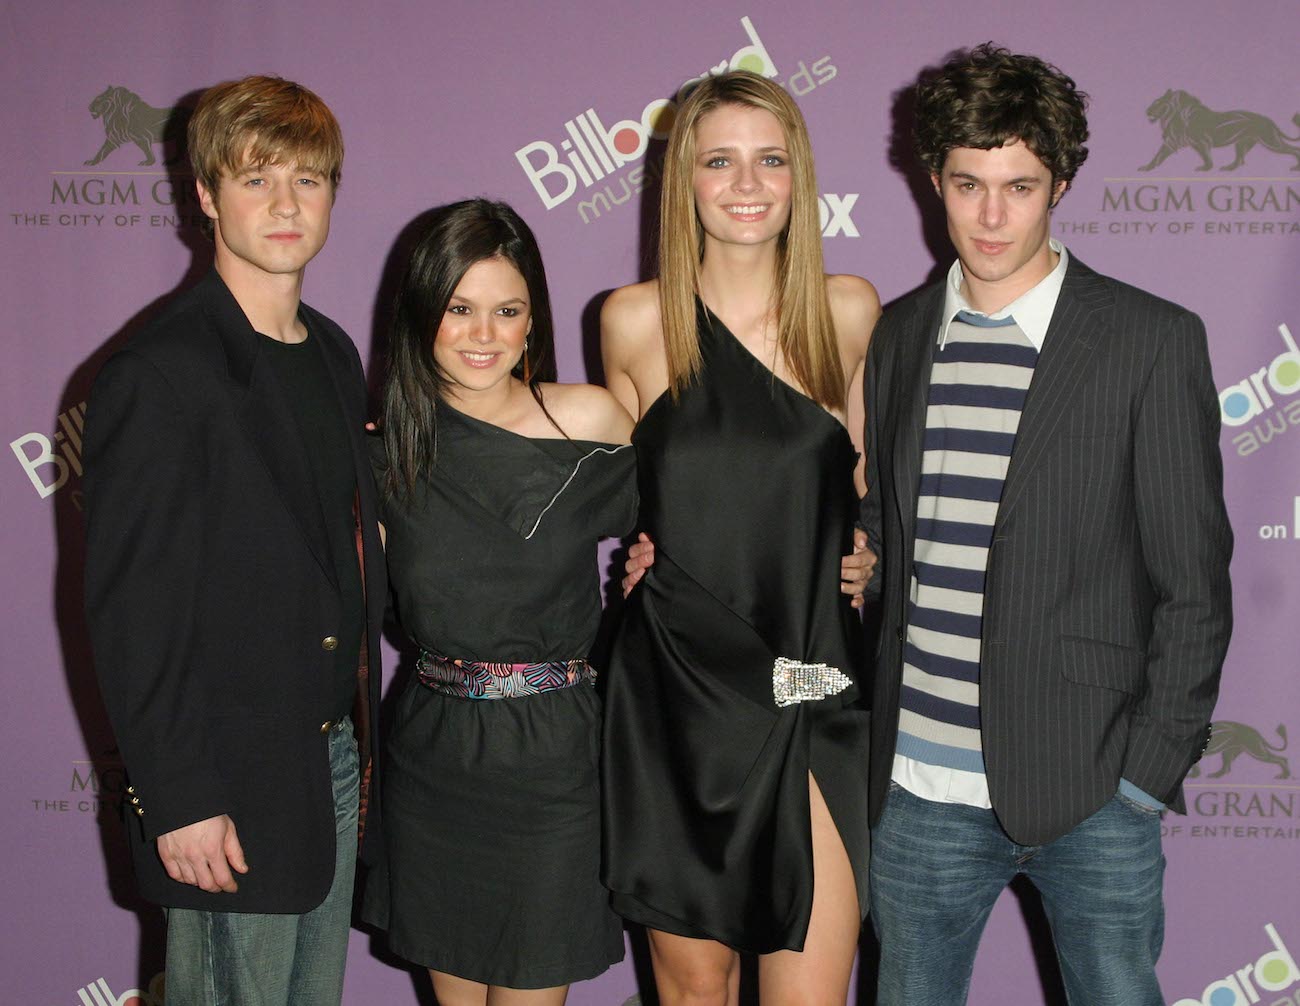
{"type": "Point", "coordinates": [647, 258]}
{"type": "Point", "coordinates": [69, 601]}
{"type": "Point", "coordinates": [902, 158]}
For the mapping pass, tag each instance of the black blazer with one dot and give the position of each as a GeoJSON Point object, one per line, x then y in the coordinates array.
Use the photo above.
{"type": "Point", "coordinates": [1107, 606]}
{"type": "Point", "coordinates": [210, 594]}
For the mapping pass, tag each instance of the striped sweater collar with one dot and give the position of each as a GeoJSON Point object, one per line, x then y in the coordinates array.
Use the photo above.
{"type": "Point", "coordinates": [1032, 310]}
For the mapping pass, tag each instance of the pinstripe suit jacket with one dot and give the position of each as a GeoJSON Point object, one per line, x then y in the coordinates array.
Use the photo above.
{"type": "Point", "coordinates": [1107, 607]}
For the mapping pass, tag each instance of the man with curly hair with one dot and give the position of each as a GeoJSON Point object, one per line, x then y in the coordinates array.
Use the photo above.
{"type": "Point", "coordinates": [1045, 498]}
{"type": "Point", "coordinates": [231, 532]}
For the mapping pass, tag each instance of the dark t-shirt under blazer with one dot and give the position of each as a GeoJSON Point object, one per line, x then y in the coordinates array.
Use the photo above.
{"type": "Point", "coordinates": [313, 398]}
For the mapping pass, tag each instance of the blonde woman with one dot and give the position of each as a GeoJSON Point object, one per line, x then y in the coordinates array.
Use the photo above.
{"type": "Point", "coordinates": [735, 752]}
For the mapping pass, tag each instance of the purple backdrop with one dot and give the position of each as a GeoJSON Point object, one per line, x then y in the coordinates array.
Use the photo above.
{"type": "Point", "coordinates": [552, 108]}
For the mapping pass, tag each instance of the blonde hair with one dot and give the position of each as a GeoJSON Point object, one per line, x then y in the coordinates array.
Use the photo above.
{"type": "Point", "coordinates": [805, 331]}
{"type": "Point", "coordinates": [263, 120]}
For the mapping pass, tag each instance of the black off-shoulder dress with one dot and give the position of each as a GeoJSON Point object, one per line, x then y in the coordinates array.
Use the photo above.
{"type": "Point", "coordinates": [491, 807]}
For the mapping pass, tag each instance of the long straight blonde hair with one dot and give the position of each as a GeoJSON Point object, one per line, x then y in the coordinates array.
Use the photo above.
{"type": "Point", "coordinates": [805, 332]}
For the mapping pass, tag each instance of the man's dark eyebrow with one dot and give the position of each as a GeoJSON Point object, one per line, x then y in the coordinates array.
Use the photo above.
{"type": "Point", "coordinates": [1022, 180]}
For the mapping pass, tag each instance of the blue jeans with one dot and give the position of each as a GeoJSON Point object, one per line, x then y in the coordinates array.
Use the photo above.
{"type": "Point", "coordinates": [937, 869]}
{"type": "Point", "coordinates": [246, 959]}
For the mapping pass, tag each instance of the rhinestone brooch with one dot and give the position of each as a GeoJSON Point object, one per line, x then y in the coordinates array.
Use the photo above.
{"type": "Point", "coordinates": [794, 681]}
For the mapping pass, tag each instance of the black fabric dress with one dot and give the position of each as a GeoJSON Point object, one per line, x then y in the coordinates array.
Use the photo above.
{"type": "Point", "coordinates": [491, 807]}
{"type": "Point", "coordinates": [747, 490]}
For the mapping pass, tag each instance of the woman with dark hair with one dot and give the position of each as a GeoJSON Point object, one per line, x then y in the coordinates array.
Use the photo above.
{"type": "Point", "coordinates": [497, 484]}
{"type": "Point", "coordinates": [735, 750]}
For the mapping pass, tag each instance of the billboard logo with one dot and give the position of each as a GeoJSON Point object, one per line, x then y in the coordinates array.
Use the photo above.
{"type": "Point", "coordinates": [1274, 971]}
{"type": "Point", "coordinates": [98, 993]}
{"type": "Point", "coordinates": [50, 463]}
{"type": "Point", "coordinates": [1229, 740]}
{"type": "Point", "coordinates": [594, 150]}
{"type": "Point", "coordinates": [128, 119]}
{"type": "Point", "coordinates": [1254, 396]}
{"type": "Point", "coordinates": [1185, 122]}
{"type": "Point", "coordinates": [593, 158]}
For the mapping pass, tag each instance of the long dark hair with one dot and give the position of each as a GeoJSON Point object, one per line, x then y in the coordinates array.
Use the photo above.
{"type": "Point", "coordinates": [448, 240]}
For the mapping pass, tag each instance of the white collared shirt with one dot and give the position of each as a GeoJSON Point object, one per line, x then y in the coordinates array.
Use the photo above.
{"type": "Point", "coordinates": [1032, 309]}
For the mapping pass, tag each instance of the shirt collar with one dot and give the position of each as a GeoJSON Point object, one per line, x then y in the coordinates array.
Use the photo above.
{"type": "Point", "coordinates": [1032, 309]}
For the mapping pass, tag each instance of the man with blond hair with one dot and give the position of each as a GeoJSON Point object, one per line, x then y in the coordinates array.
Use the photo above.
{"type": "Point", "coordinates": [231, 533]}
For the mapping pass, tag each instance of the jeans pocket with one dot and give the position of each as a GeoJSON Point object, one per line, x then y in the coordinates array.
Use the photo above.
{"type": "Point", "coordinates": [1138, 807]}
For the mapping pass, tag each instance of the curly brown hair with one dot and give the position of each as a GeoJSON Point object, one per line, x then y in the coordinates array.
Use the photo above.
{"type": "Point", "coordinates": [989, 96]}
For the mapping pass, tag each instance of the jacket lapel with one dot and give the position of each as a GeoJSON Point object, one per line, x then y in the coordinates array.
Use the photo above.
{"type": "Point", "coordinates": [1078, 324]}
{"type": "Point", "coordinates": [267, 419]}
{"type": "Point", "coordinates": [912, 366]}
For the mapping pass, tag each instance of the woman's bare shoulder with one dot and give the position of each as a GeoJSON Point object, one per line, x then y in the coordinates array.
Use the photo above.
{"type": "Point", "coordinates": [588, 412]}
{"type": "Point", "coordinates": [629, 323]}
{"type": "Point", "coordinates": [855, 308]}
{"type": "Point", "coordinates": [636, 305]}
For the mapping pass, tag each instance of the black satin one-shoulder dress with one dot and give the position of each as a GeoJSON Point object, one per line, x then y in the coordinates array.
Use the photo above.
{"type": "Point", "coordinates": [747, 490]}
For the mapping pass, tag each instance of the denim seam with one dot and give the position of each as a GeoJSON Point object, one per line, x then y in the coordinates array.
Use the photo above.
{"type": "Point", "coordinates": [210, 972]}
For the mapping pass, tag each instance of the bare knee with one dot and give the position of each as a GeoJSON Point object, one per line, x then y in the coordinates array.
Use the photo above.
{"type": "Point", "coordinates": [693, 972]}
{"type": "Point", "coordinates": [694, 986]}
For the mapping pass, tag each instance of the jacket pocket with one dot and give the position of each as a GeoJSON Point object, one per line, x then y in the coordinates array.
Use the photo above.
{"type": "Point", "coordinates": [1103, 665]}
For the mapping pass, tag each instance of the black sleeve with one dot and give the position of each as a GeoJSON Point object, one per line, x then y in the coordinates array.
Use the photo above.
{"type": "Point", "coordinates": [144, 515]}
{"type": "Point", "coordinates": [869, 513]}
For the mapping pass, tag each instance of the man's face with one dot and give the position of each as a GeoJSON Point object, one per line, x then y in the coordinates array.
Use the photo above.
{"type": "Point", "coordinates": [998, 207]}
{"type": "Point", "coordinates": [271, 219]}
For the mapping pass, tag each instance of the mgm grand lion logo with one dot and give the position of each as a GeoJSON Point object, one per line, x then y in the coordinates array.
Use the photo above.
{"type": "Point", "coordinates": [1232, 739]}
{"type": "Point", "coordinates": [128, 119]}
{"type": "Point", "coordinates": [1185, 122]}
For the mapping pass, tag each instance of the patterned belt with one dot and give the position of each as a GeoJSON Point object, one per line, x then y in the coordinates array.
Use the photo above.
{"type": "Point", "coordinates": [478, 679]}
{"type": "Point", "coordinates": [794, 681]}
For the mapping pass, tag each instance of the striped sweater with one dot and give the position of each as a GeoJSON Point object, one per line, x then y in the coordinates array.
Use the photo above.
{"type": "Point", "coordinates": [977, 390]}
